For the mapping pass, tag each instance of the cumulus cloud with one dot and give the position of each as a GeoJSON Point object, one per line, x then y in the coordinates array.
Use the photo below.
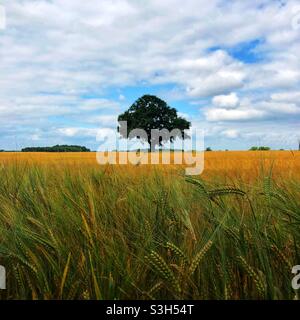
{"type": "Point", "coordinates": [226, 101]}
{"type": "Point", "coordinates": [231, 133]}
{"type": "Point", "coordinates": [233, 115]}
{"type": "Point", "coordinates": [290, 97]}
{"type": "Point", "coordinates": [99, 104]}
{"type": "Point", "coordinates": [250, 110]}
{"type": "Point", "coordinates": [279, 108]}
{"type": "Point", "coordinates": [86, 132]}
{"type": "Point", "coordinates": [212, 74]}
{"type": "Point", "coordinates": [104, 120]}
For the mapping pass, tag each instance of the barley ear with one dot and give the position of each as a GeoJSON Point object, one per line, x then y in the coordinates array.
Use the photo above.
{"type": "Point", "coordinates": [254, 275]}
{"type": "Point", "coordinates": [160, 266]}
{"type": "Point", "coordinates": [172, 247]}
{"type": "Point", "coordinates": [199, 257]}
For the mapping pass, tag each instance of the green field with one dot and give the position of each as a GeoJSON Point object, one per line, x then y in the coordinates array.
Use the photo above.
{"type": "Point", "coordinates": [84, 232]}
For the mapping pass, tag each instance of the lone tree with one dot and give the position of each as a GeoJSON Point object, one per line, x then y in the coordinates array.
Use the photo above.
{"type": "Point", "coordinates": [149, 113]}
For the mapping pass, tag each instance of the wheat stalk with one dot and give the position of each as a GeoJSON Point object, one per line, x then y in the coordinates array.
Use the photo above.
{"type": "Point", "coordinates": [172, 247]}
{"type": "Point", "coordinates": [199, 257]}
{"type": "Point", "coordinates": [282, 257]}
{"type": "Point", "coordinates": [161, 267]}
{"type": "Point", "coordinates": [226, 191]}
{"type": "Point", "coordinates": [252, 274]}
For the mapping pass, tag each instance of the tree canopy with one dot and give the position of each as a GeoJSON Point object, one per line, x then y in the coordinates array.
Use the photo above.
{"type": "Point", "coordinates": [149, 113]}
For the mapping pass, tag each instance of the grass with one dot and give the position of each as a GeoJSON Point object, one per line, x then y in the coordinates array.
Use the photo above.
{"type": "Point", "coordinates": [74, 230]}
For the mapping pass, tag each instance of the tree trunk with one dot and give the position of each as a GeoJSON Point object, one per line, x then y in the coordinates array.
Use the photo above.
{"type": "Point", "coordinates": [151, 146]}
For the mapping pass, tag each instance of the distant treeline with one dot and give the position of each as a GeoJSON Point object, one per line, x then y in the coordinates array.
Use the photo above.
{"type": "Point", "coordinates": [57, 148]}
{"type": "Point", "coordinates": [260, 149]}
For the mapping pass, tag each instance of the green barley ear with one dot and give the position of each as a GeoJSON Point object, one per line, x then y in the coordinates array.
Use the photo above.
{"type": "Point", "coordinates": [153, 290]}
{"type": "Point", "coordinates": [230, 272]}
{"type": "Point", "coordinates": [148, 228]}
{"type": "Point", "coordinates": [255, 276]}
{"type": "Point", "coordinates": [227, 292]}
{"type": "Point", "coordinates": [160, 266]}
{"type": "Point", "coordinates": [226, 191]}
{"type": "Point", "coordinates": [86, 295]}
{"type": "Point", "coordinates": [25, 263]}
{"type": "Point", "coordinates": [201, 187]}
{"type": "Point", "coordinates": [232, 233]}
{"type": "Point", "coordinates": [274, 194]}
{"type": "Point", "coordinates": [282, 257]}
{"type": "Point", "coordinates": [279, 197]}
{"type": "Point", "coordinates": [173, 248]}
{"type": "Point", "coordinates": [18, 275]}
{"type": "Point", "coordinates": [267, 186]}
{"type": "Point", "coordinates": [199, 257]}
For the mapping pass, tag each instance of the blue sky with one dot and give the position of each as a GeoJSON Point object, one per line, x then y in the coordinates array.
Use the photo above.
{"type": "Point", "coordinates": [69, 67]}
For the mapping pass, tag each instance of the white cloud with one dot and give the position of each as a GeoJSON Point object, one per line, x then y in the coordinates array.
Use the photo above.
{"type": "Point", "coordinates": [86, 132]}
{"type": "Point", "coordinates": [231, 133]}
{"type": "Point", "coordinates": [290, 97]}
{"type": "Point", "coordinates": [104, 120]}
{"type": "Point", "coordinates": [226, 101]}
{"type": "Point", "coordinates": [69, 132]}
{"type": "Point", "coordinates": [99, 104]}
{"type": "Point", "coordinates": [35, 137]}
{"type": "Point", "coordinates": [278, 108]}
{"type": "Point", "coordinates": [219, 114]}
{"type": "Point", "coordinates": [211, 74]}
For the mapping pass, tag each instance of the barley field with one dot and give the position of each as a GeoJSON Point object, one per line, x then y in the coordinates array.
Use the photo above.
{"type": "Point", "coordinates": [71, 229]}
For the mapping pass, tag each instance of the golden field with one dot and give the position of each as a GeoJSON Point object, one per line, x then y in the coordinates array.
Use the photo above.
{"type": "Point", "coordinates": [244, 165]}
{"type": "Point", "coordinates": [71, 229]}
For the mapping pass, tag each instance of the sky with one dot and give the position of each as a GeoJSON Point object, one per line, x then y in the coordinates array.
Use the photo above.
{"type": "Point", "coordinates": [68, 68]}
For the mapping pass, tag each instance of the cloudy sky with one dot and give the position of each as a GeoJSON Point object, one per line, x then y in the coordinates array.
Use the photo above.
{"type": "Point", "coordinates": [69, 67]}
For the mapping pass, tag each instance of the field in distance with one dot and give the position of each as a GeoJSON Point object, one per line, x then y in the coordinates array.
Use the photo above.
{"type": "Point", "coordinates": [239, 164]}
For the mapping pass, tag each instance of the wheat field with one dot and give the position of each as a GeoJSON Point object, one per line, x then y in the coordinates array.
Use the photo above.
{"type": "Point", "coordinates": [71, 229]}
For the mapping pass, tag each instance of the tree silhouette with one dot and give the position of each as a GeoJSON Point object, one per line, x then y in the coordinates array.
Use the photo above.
{"type": "Point", "coordinates": [150, 112]}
